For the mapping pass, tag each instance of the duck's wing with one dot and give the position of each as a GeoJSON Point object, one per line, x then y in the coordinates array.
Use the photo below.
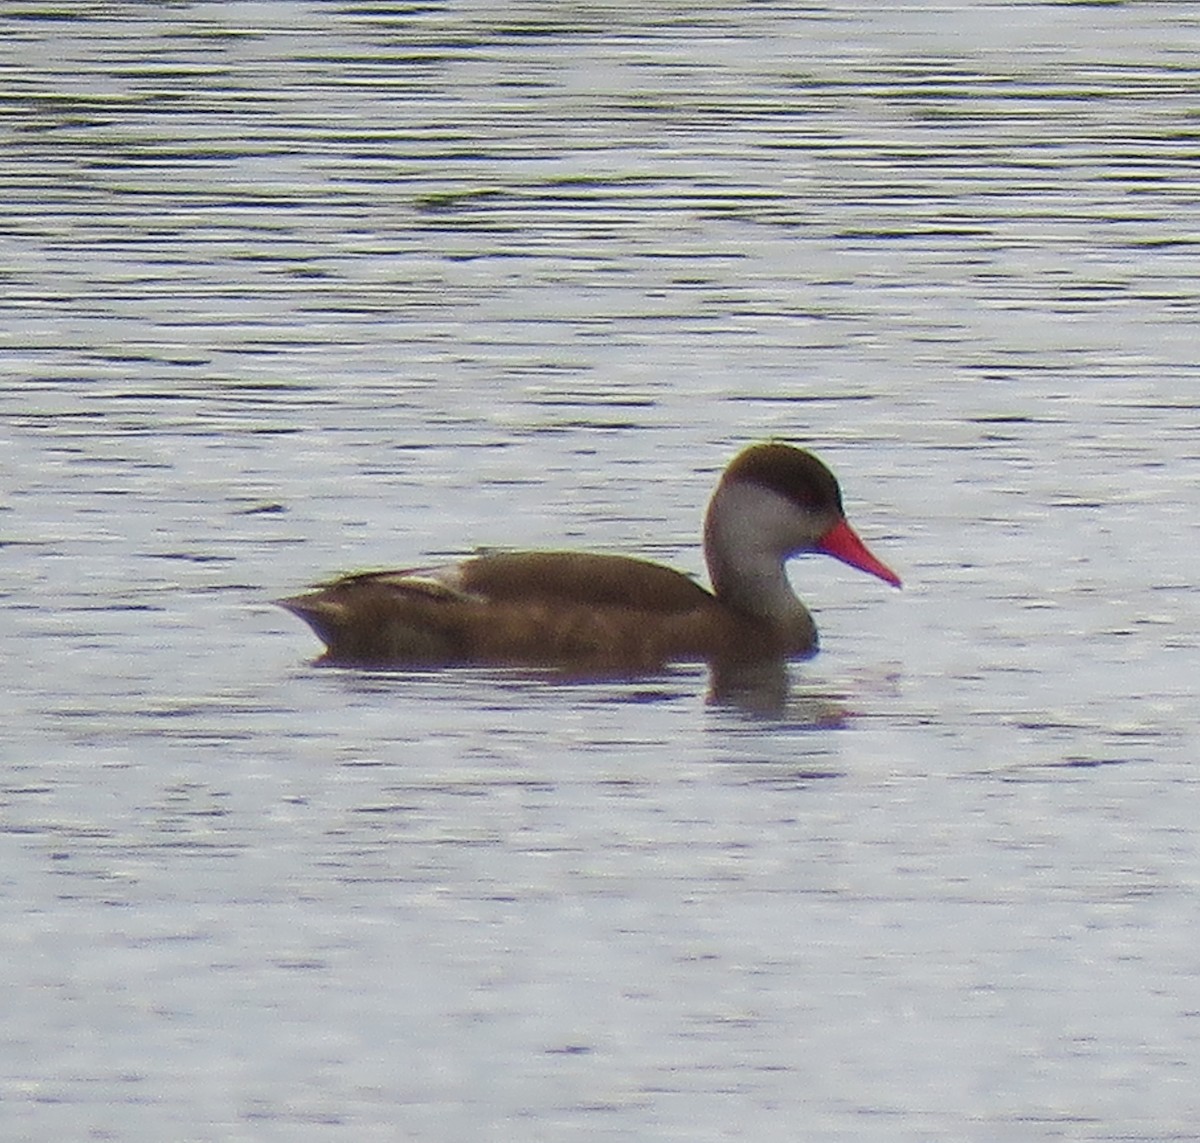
{"type": "Point", "coordinates": [579, 578]}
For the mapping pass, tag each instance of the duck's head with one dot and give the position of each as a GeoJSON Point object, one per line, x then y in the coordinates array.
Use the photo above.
{"type": "Point", "coordinates": [774, 502]}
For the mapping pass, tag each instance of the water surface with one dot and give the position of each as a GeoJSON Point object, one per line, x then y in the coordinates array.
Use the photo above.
{"type": "Point", "coordinates": [290, 289]}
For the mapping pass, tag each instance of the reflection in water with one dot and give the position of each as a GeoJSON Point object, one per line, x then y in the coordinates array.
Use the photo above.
{"type": "Point", "coordinates": [764, 687]}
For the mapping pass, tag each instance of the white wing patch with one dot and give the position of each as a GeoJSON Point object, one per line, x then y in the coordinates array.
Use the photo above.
{"type": "Point", "coordinates": [443, 582]}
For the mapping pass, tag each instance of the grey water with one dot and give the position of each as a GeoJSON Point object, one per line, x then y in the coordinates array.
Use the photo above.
{"type": "Point", "coordinates": [288, 289]}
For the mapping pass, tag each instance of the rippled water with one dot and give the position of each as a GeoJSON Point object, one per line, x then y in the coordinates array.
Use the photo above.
{"type": "Point", "coordinates": [295, 288]}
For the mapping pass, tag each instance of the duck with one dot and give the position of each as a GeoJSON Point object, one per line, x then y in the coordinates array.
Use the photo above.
{"type": "Point", "coordinates": [569, 609]}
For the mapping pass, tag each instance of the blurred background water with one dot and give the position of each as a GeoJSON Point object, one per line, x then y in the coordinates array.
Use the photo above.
{"type": "Point", "coordinates": [295, 288]}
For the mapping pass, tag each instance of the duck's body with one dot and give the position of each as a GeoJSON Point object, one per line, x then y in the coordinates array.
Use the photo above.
{"type": "Point", "coordinates": [578, 609]}
{"type": "Point", "coordinates": [536, 608]}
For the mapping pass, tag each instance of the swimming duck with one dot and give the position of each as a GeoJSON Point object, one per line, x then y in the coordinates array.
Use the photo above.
{"type": "Point", "coordinates": [585, 610]}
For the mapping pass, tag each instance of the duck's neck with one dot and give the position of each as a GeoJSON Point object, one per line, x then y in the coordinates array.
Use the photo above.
{"type": "Point", "coordinates": [748, 535]}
